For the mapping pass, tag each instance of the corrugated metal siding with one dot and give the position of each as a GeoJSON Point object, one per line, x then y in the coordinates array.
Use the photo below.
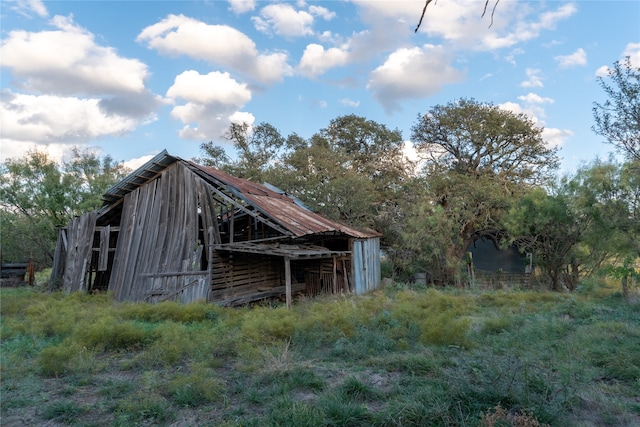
{"type": "Point", "coordinates": [366, 265]}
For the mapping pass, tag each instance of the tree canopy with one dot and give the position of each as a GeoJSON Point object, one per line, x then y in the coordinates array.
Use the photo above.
{"type": "Point", "coordinates": [478, 159]}
{"type": "Point", "coordinates": [618, 117]}
{"type": "Point", "coordinates": [39, 195]}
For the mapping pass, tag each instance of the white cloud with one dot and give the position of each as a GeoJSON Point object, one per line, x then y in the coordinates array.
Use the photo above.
{"type": "Point", "coordinates": [603, 71]}
{"type": "Point", "coordinates": [532, 108]}
{"type": "Point", "coordinates": [632, 50]}
{"type": "Point", "coordinates": [322, 12]}
{"type": "Point", "coordinates": [533, 78]}
{"type": "Point", "coordinates": [532, 98]}
{"type": "Point", "coordinates": [133, 164]}
{"type": "Point", "coordinates": [242, 6]}
{"type": "Point", "coordinates": [459, 22]}
{"type": "Point", "coordinates": [70, 89]}
{"type": "Point", "coordinates": [210, 102]}
{"type": "Point", "coordinates": [579, 57]}
{"type": "Point", "coordinates": [511, 57]}
{"type": "Point", "coordinates": [28, 7]}
{"type": "Point", "coordinates": [316, 60]}
{"type": "Point", "coordinates": [349, 103]}
{"type": "Point", "coordinates": [556, 137]}
{"type": "Point", "coordinates": [219, 44]}
{"type": "Point", "coordinates": [67, 61]}
{"type": "Point", "coordinates": [284, 20]}
{"type": "Point", "coordinates": [412, 73]}
{"type": "Point", "coordinates": [48, 119]}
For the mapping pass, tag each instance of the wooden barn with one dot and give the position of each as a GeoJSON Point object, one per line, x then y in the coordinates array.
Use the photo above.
{"type": "Point", "coordinates": [174, 230]}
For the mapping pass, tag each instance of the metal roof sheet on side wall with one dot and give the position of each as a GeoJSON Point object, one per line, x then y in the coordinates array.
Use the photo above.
{"type": "Point", "coordinates": [366, 265]}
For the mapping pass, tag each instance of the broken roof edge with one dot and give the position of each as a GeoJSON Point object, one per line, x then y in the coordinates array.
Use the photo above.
{"type": "Point", "coordinates": [139, 177]}
{"type": "Point", "coordinates": [163, 160]}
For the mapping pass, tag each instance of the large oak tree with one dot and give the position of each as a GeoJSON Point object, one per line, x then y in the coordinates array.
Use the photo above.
{"type": "Point", "coordinates": [478, 158]}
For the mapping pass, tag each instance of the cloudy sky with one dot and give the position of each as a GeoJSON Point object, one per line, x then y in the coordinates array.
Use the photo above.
{"type": "Point", "coordinates": [130, 78]}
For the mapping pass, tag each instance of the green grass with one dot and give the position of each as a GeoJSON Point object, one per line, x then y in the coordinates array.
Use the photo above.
{"type": "Point", "coordinates": [399, 356]}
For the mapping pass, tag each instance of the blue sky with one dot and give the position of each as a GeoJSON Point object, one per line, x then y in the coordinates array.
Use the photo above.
{"type": "Point", "coordinates": [130, 78]}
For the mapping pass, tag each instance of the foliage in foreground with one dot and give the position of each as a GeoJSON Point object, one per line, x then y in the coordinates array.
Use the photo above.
{"type": "Point", "coordinates": [400, 356]}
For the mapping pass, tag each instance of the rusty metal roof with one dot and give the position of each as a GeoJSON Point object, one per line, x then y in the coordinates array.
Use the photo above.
{"type": "Point", "coordinates": [281, 208]}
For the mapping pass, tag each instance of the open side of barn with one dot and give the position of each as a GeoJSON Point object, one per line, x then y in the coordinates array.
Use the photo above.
{"type": "Point", "coordinates": [174, 230]}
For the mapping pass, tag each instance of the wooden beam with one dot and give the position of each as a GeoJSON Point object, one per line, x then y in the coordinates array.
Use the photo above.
{"type": "Point", "coordinates": [287, 280]}
{"type": "Point", "coordinates": [335, 275]}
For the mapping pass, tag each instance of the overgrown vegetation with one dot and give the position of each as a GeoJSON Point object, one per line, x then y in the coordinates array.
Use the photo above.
{"type": "Point", "coordinates": [400, 356]}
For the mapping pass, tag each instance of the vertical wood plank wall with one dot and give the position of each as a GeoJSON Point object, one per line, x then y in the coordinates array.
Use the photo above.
{"type": "Point", "coordinates": [160, 240]}
{"type": "Point", "coordinates": [79, 244]}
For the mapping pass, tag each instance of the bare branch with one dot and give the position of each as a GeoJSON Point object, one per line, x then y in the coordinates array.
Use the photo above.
{"type": "Point", "coordinates": [422, 16]}
{"type": "Point", "coordinates": [486, 3]}
{"type": "Point", "coordinates": [492, 12]}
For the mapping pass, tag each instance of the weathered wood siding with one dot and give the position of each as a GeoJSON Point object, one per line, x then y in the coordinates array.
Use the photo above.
{"type": "Point", "coordinates": [366, 265]}
{"type": "Point", "coordinates": [79, 238]}
{"type": "Point", "coordinates": [238, 275]}
{"type": "Point", "coordinates": [160, 239]}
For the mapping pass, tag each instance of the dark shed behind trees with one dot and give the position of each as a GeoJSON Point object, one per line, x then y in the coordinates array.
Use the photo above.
{"type": "Point", "coordinates": [174, 230]}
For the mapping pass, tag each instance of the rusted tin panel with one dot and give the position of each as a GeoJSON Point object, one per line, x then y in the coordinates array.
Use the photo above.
{"type": "Point", "coordinates": [283, 209]}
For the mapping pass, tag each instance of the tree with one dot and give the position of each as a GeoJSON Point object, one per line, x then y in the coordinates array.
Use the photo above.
{"type": "Point", "coordinates": [478, 158]}
{"type": "Point", "coordinates": [618, 118]}
{"type": "Point", "coordinates": [350, 171]}
{"type": "Point", "coordinates": [547, 226]}
{"type": "Point", "coordinates": [590, 222]}
{"type": "Point", "coordinates": [38, 195]}
{"type": "Point", "coordinates": [258, 149]}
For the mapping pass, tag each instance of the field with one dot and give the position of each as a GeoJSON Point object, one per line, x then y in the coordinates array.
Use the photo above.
{"type": "Point", "coordinates": [401, 356]}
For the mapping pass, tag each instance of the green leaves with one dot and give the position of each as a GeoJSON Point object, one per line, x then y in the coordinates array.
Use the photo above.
{"type": "Point", "coordinates": [37, 195]}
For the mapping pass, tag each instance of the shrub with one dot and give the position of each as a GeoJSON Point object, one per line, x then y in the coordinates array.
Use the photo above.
{"type": "Point", "coordinates": [197, 387]}
{"type": "Point", "coordinates": [58, 359]}
{"type": "Point", "coordinates": [63, 411]}
{"type": "Point", "coordinates": [352, 389]}
{"type": "Point", "coordinates": [446, 329]}
{"type": "Point", "coordinates": [170, 310]}
{"type": "Point", "coordinates": [170, 343]}
{"type": "Point", "coordinates": [498, 417]}
{"type": "Point", "coordinates": [108, 334]}
{"type": "Point", "coordinates": [145, 406]}
{"type": "Point", "coordinates": [287, 412]}
{"type": "Point", "coordinates": [343, 413]}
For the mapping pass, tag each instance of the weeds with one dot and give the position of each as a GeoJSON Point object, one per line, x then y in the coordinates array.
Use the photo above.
{"type": "Point", "coordinates": [401, 356]}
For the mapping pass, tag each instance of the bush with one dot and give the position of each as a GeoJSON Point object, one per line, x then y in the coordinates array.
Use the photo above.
{"type": "Point", "coordinates": [63, 411]}
{"type": "Point", "coordinates": [58, 359]}
{"type": "Point", "coordinates": [108, 334]}
{"type": "Point", "coordinates": [197, 387]}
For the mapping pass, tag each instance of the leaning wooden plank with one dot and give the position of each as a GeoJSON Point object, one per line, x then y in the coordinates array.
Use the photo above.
{"type": "Point", "coordinates": [279, 291]}
{"type": "Point", "coordinates": [121, 259]}
{"type": "Point", "coordinates": [79, 251]}
{"type": "Point", "coordinates": [103, 256]}
{"type": "Point", "coordinates": [57, 270]}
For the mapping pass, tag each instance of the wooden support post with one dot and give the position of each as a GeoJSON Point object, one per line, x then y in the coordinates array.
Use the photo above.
{"type": "Point", "coordinates": [335, 275]}
{"type": "Point", "coordinates": [345, 277]}
{"type": "Point", "coordinates": [210, 262]}
{"type": "Point", "coordinates": [287, 280]}
{"type": "Point", "coordinates": [231, 230]}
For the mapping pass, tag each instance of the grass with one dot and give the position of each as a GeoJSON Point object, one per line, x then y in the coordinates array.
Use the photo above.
{"type": "Point", "coordinates": [399, 356]}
